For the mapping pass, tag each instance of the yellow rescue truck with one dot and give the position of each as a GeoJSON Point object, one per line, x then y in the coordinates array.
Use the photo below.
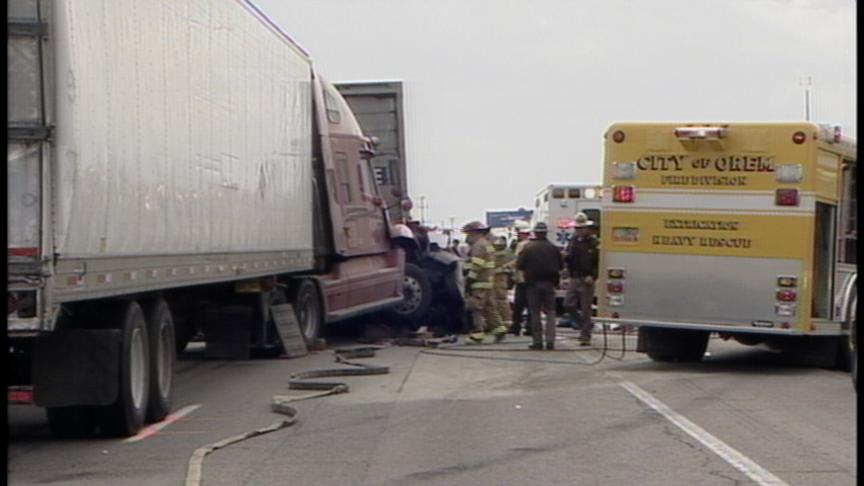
{"type": "Point", "coordinates": [747, 230]}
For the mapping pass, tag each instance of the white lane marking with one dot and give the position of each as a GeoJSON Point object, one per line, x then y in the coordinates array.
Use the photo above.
{"type": "Point", "coordinates": [739, 461]}
{"type": "Point", "coordinates": [170, 419]}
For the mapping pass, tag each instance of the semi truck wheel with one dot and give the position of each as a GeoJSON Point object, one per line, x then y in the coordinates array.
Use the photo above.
{"type": "Point", "coordinates": [160, 330]}
{"type": "Point", "coordinates": [71, 422]}
{"type": "Point", "coordinates": [307, 306]}
{"type": "Point", "coordinates": [683, 345]}
{"type": "Point", "coordinates": [126, 416]}
{"type": "Point", "coordinates": [417, 292]}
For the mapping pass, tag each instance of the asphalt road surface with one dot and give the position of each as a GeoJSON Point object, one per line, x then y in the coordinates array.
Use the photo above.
{"type": "Point", "coordinates": [745, 415]}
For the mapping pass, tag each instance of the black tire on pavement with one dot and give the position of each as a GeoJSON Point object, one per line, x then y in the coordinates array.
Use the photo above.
{"type": "Point", "coordinates": [307, 307]}
{"type": "Point", "coordinates": [683, 345]}
{"type": "Point", "coordinates": [417, 291]}
{"type": "Point", "coordinates": [126, 415]}
{"type": "Point", "coordinates": [160, 330]}
{"type": "Point", "coordinates": [71, 422]}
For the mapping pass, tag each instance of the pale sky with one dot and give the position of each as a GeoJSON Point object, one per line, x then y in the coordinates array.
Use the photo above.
{"type": "Point", "coordinates": [505, 96]}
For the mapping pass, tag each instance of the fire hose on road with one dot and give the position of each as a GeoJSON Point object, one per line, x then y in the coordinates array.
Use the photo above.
{"type": "Point", "coordinates": [306, 380]}
{"type": "Point", "coordinates": [280, 403]}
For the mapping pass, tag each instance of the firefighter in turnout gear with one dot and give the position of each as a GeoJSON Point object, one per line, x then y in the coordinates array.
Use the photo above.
{"type": "Point", "coordinates": [481, 273]}
{"type": "Point", "coordinates": [505, 264]}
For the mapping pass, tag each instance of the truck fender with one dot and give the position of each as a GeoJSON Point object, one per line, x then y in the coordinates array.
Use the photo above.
{"type": "Point", "coordinates": [401, 231]}
{"type": "Point", "coordinates": [409, 244]}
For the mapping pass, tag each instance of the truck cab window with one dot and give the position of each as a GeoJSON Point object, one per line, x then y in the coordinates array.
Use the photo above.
{"type": "Point", "coordinates": [332, 107]}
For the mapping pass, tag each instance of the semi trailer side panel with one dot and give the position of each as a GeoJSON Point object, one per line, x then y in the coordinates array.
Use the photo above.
{"type": "Point", "coordinates": [182, 128]}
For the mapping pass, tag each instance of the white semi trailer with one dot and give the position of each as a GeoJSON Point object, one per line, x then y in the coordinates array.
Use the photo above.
{"type": "Point", "coordinates": [174, 168]}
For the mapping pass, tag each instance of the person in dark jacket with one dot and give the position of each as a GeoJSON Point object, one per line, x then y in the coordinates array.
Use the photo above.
{"type": "Point", "coordinates": [540, 263]}
{"type": "Point", "coordinates": [581, 258]}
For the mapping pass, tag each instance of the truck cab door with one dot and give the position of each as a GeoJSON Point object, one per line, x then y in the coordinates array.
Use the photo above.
{"type": "Point", "coordinates": [359, 225]}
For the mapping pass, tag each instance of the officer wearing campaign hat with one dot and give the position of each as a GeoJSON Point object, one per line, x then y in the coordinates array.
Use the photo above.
{"type": "Point", "coordinates": [581, 258]}
{"type": "Point", "coordinates": [541, 263]}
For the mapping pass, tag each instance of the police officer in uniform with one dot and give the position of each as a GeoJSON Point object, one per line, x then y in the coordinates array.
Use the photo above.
{"type": "Point", "coordinates": [581, 258]}
{"type": "Point", "coordinates": [541, 263]}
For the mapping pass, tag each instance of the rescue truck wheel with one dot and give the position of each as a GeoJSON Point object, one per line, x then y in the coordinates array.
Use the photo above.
{"type": "Point", "coordinates": [853, 343]}
{"type": "Point", "coordinates": [683, 345]}
{"type": "Point", "coordinates": [126, 416]}
{"type": "Point", "coordinates": [417, 291]}
{"type": "Point", "coordinates": [160, 329]}
{"type": "Point", "coordinates": [71, 422]}
{"type": "Point", "coordinates": [845, 344]}
{"type": "Point", "coordinates": [307, 306]}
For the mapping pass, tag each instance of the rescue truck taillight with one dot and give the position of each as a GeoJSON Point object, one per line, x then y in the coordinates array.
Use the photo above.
{"type": "Point", "coordinates": [615, 287]}
{"type": "Point", "coordinates": [787, 295]}
{"type": "Point", "coordinates": [625, 194]}
{"type": "Point", "coordinates": [615, 272]}
{"type": "Point", "coordinates": [799, 138]}
{"type": "Point", "coordinates": [786, 197]}
{"type": "Point", "coordinates": [20, 395]}
{"type": "Point", "coordinates": [787, 281]}
{"type": "Point", "coordinates": [700, 133]}
{"type": "Point", "coordinates": [618, 136]}
{"type": "Point", "coordinates": [11, 303]}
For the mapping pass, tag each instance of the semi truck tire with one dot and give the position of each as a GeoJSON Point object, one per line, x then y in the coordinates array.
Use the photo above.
{"type": "Point", "coordinates": [160, 329]}
{"type": "Point", "coordinates": [682, 345]}
{"type": "Point", "coordinates": [417, 292]}
{"type": "Point", "coordinates": [126, 415]}
{"type": "Point", "coordinates": [71, 422]}
{"type": "Point", "coordinates": [307, 307]}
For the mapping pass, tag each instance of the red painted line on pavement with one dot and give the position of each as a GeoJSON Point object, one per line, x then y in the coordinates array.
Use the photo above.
{"type": "Point", "coordinates": [170, 419]}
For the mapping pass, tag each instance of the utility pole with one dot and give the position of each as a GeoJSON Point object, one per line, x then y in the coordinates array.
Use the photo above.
{"type": "Point", "coordinates": [807, 83]}
{"type": "Point", "coordinates": [422, 210]}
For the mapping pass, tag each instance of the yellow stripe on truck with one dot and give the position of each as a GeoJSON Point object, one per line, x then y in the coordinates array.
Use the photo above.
{"type": "Point", "coordinates": [723, 234]}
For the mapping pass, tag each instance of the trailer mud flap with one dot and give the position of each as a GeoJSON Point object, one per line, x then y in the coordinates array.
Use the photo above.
{"type": "Point", "coordinates": [76, 367]}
